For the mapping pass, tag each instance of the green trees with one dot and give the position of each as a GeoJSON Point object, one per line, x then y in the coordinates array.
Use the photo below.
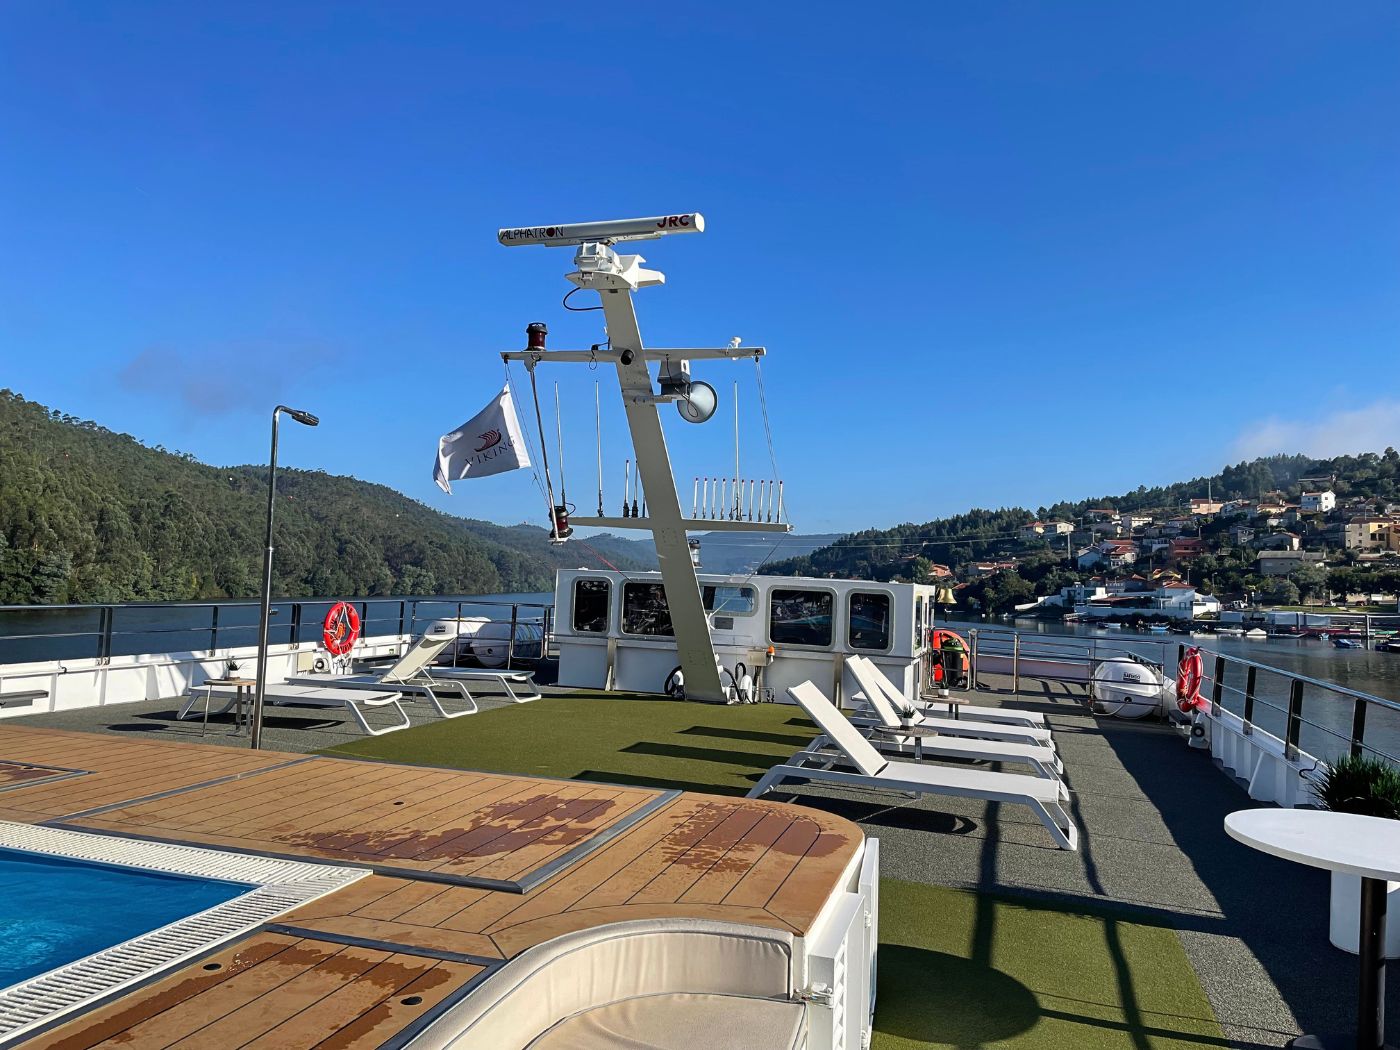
{"type": "Point", "coordinates": [1279, 590]}
{"type": "Point", "coordinates": [87, 515]}
{"type": "Point", "coordinates": [1311, 581]}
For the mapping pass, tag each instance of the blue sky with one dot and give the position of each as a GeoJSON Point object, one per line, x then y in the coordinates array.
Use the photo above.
{"type": "Point", "coordinates": [1000, 253]}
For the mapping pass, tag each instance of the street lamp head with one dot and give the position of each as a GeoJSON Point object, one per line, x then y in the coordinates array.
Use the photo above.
{"type": "Point", "coordinates": [305, 418]}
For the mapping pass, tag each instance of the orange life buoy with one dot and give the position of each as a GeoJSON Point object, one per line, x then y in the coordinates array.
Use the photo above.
{"type": "Point", "coordinates": [341, 629]}
{"type": "Point", "coordinates": [1188, 681]}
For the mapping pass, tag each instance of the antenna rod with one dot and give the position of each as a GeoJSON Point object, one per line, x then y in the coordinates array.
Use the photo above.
{"type": "Point", "coordinates": [695, 496]}
{"type": "Point", "coordinates": [737, 512]}
{"type": "Point", "coordinates": [780, 502]}
{"type": "Point", "coordinates": [598, 431]}
{"type": "Point", "coordinates": [636, 487]}
{"type": "Point", "coordinates": [626, 478]}
{"type": "Point", "coordinates": [750, 499]}
{"type": "Point", "coordinates": [559, 433]}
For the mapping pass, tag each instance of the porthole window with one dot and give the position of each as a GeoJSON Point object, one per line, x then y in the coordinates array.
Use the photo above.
{"type": "Point", "coordinates": [868, 620]}
{"type": "Point", "coordinates": [800, 617]}
{"type": "Point", "coordinates": [591, 601]}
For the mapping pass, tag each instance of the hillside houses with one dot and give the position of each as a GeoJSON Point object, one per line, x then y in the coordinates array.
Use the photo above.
{"type": "Point", "coordinates": [1114, 553]}
{"type": "Point", "coordinates": [1282, 563]}
{"type": "Point", "coordinates": [1038, 530]}
{"type": "Point", "coordinates": [1318, 502]}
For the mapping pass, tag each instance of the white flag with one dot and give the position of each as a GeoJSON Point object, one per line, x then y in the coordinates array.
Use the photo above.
{"type": "Point", "coordinates": [490, 442]}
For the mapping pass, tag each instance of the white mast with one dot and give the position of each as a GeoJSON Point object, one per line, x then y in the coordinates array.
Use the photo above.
{"type": "Point", "coordinates": [615, 277]}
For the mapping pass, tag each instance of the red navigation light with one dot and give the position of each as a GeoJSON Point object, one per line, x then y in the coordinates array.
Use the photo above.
{"type": "Point", "coordinates": [534, 335]}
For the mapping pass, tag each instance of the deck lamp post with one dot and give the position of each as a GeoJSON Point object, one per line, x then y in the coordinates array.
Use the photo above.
{"type": "Point", "coordinates": [265, 614]}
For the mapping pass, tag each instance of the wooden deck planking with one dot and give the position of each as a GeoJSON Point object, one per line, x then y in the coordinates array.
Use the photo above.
{"type": "Point", "coordinates": [692, 824]}
{"type": "Point", "coordinates": [277, 789]}
{"type": "Point", "coordinates": [715, 884]}
{"type": "Point", "coordinates": [814, 876]}
{"type": "Point", "coordinates": [617, 860]}
{"type": "Point", "coordinates": [14, 773]}
{"type": "Point", "coordinates": [709, 851]}
{"type": "Point", "coordinates": [274, 990]}
{"type": "Point", "coordinates": [697, 856]}
{"type": "Point", "coordinates": [406, 817]}
{"type": "Point", "coordinates": [757, 885]}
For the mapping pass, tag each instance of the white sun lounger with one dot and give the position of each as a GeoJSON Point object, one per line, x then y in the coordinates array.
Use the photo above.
{"type": "Point", "coordinates": [284, 695]}
{"type": "Point", "coordinates": [1021, 734]}
{"type": "Point", "coordinates": [374, 683]}
{"type": "Point", "coordinates": [976, 712]}
{"type": "Point", "coordinates": [439, 677]}
{"type": "Point", "coordinates": [406, 676]}
{"type": "Point", "coordinates": [416, 667]}
{"type": "Point", "coordinates": [874, 772]}
{"type": "Point", "coordinates": [982, 713]}
{"type": "Point", "coordinates": [914, 735]}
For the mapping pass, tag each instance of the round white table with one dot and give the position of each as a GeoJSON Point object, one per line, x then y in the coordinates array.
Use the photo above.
{"type": "Point", "coordinates": [1364, 846]}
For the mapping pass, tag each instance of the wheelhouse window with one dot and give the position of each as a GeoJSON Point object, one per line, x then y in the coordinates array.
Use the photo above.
{"type": "Point", "coordinates": [919, 622]}
{"type": "Point", "coordinates": [800, 617]}
{"type": "Point", "coordinates": [591, 601]}
{"type": "Point", "coordinates": [868, 620]}
{"type": "Point", "coordinates": [729, 600]}
{"type": "Point", "coordinates": [645, 610]}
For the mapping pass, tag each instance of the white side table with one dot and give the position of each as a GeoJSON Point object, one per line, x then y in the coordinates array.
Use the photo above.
{"type": "Point", "coordinates": [1364, 846]}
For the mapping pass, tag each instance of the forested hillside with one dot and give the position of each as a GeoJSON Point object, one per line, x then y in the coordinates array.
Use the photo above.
{"type": "Point", "coordinates": [87, 515]}
{"type": "Point", "coordinates": [887, 553]}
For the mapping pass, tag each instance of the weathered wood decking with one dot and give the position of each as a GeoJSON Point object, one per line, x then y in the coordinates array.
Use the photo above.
{"type": "Point", "coordinates": [470, 869]}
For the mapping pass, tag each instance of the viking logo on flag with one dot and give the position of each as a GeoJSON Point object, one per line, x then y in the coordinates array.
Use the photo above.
{"type": "Point", "coordinates": [491, 442]}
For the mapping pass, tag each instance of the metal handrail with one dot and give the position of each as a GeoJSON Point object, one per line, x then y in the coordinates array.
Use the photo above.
{"type": "Point", "coordinates": [1004, 642]}
{"type": "Point", "coordinates": [379, 617]}
{"type": "Point", "coordinates": [1371, 698]}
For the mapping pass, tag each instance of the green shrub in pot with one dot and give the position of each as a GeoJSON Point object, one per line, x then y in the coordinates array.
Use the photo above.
{"type": "Point", "coordinates": [1360, 784]}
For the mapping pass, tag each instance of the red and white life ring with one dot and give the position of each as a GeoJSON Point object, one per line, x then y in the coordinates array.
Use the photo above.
{"type": "Point", "coordinates": [341, 629]}
{"type": "Point", "coordinates": [1189, 674]}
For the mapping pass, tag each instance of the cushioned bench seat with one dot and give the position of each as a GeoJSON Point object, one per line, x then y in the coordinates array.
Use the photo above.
{"type": "Point", "coordinates": [682, 1021]}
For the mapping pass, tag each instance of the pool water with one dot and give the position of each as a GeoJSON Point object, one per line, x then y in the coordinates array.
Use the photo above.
{"type": "Point", "coordinates": [54, 910]}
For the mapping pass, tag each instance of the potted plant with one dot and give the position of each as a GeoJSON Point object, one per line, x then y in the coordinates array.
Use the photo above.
{"type": "Point", "coordinates": [1371, 787]}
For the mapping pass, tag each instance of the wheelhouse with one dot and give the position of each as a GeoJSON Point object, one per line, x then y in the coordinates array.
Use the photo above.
{"type": "Point", "coordinates": [613, 629]}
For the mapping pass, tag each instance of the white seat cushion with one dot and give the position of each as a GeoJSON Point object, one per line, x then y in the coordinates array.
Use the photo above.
{"type": "Point", "coordinates": [682, 1021]}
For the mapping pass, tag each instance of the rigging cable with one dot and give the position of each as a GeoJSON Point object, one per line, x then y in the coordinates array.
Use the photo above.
{"type": "Point", "coordinates": [529, 445]}
{"type": "Point", "coordinates": [544, 451]}
{"type": "Point", "coordinates": [598, 432]}
{"type": "Point", "coordinates": [767, 425]}
{"type": "Point", "coordinates": [559, 434]}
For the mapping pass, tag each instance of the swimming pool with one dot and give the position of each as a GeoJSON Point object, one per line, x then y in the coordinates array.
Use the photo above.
{"type": "Point", "coordinates": [54, 910]}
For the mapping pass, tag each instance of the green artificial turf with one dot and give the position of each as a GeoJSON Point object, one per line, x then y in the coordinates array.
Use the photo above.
{"type": "Point", "coordinates": [656, 742]}
{"type": "Point", "coordinates": [959, 970]}
{"type": "Point", "coordinates": [971, 970]}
